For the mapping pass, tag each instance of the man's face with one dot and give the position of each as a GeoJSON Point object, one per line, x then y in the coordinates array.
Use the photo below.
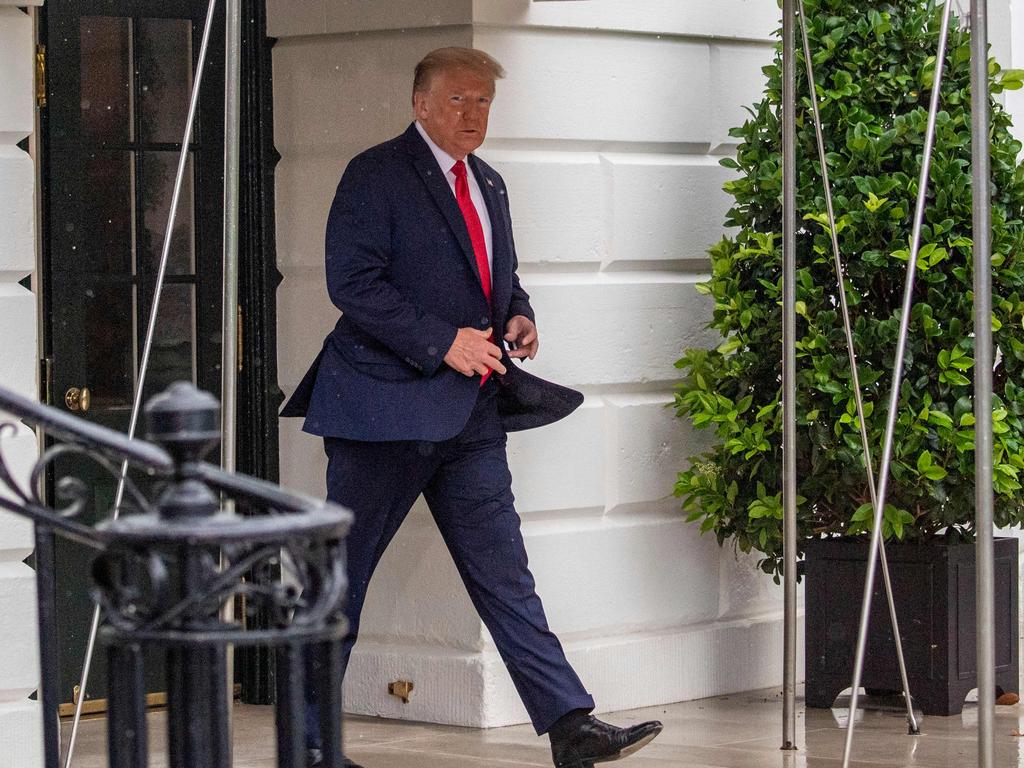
{"type": "Point", "coordinates": [454, 110]}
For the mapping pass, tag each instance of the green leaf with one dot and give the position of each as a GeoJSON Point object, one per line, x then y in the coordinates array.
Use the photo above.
{"type": "Point", "coordinates": [924, 461]}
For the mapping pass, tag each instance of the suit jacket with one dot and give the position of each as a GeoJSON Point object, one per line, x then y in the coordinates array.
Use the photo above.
{"type": "Point", "coordinates": [401, 268]}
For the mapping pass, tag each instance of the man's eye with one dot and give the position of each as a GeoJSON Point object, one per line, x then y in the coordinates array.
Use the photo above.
{"type": "Point", "coordinates": [457, 99]}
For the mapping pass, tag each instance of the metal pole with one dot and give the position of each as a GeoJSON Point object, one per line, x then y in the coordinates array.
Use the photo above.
{"type": "Point", "coordinates": [983, 495]}
{"type": "Point", "coordinates": [232, 128]}
{"type": "Point", "coordinates": [229, 342]}
{"type": "Point", "coordinates": [146, 351]}
{"type": "Point", "coordinates": [852, 352]}
{"type": "Point", "coordinates": [897, 377]}
{"type": "Point", "coordinates": [789, 370]}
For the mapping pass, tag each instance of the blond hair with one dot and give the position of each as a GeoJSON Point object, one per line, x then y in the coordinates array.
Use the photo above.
{"type": "Point", "coordinates": [448, 59]}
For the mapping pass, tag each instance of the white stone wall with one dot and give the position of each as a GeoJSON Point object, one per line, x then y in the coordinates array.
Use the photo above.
{"type": "Point", "coordinates": [607, 130]}
{"type": "Point", "coordinates": [20, 727]}
{"type": "Point", "coordinates": [1006, 34]}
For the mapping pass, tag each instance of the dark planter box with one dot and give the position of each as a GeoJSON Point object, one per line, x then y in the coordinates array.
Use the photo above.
{"type": "Point", "coordinates": [933, 585]}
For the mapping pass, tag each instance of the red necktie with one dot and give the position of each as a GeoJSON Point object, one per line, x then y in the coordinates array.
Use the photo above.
{"type": "Point", "coordinates": [476, 232]}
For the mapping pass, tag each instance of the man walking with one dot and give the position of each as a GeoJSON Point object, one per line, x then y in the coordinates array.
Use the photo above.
{"type": "Point", "coordinates": [415, 388]}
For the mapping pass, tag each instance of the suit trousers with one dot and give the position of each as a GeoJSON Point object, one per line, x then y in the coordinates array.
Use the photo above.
{"type": "Point", "coordinates": [467, 485]}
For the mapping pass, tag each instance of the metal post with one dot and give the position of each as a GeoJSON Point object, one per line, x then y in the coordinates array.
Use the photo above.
{"type": "Point", "coordinates": [229, 343]}
{"type": "Point", "coordinates": [852, 353]}
{"type": "Point", "coordinates": [983, 500]}
{"type": "Point", "coordinates": [140, 384]}
{"type": "Point", "coordinates": [897, 377]}
{"type": "Point", "coordinates": [232, 130]}
{"type": "Point", "coordinates": [789, 370]}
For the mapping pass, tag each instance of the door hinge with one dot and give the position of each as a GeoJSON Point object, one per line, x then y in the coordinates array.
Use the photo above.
{"type": "Point", "coordinates": [45, 380]}
{"type": "Point", "coordinates": [41, 75]}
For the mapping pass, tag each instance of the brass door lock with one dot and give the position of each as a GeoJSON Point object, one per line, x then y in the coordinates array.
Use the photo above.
{"type": "Point", "coordinates": [78, 399]}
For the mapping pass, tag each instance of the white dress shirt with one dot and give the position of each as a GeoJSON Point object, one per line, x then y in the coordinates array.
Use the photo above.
{"type": "Point", "coordinates": [446, 162]}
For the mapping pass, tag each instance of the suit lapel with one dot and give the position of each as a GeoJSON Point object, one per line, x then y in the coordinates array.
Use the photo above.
{"type": "Point", "coordinates": [435, 181]}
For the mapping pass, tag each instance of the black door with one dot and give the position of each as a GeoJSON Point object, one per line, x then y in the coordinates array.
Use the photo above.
{"type": "Point", "coordinates": [120, 73]}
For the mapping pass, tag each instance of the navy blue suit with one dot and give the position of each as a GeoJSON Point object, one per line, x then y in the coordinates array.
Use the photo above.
{"type": "Point", "coordinates": [397, 422]}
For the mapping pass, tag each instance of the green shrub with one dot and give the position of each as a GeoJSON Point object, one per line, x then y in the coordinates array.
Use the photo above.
{"type": "Point", "coordinates": [874, 68]}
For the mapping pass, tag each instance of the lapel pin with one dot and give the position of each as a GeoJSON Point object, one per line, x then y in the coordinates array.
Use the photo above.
{"type": "Point", "coordinates": [490, 183]}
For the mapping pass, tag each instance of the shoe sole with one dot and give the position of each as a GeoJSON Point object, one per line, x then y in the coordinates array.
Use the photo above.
{"type": "Point", "coordinates": [634, 748]}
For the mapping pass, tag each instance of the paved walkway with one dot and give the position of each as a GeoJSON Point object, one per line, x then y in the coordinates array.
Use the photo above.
{"type": "Point", "coordinates": [739, 731]}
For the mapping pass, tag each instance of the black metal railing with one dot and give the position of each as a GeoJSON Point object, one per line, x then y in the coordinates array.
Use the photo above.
{"type": "Point", "coordinates": [165, 568]}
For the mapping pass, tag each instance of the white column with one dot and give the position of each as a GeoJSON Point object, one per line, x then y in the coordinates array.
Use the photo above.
{"type": "Point", "coordinates": [1012, 57]}
{"type": "Point", "coordinates": [608, 131]}
{"type": "Point", "coordinates": [20, 727]}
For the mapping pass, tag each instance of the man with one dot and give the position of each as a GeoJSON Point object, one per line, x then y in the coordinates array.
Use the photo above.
{"type": "Point", "coordinates": [415, 389]}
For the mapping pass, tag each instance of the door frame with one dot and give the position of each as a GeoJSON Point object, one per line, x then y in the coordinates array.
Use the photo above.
{"type": "Point", "coordinates": [259, 396]}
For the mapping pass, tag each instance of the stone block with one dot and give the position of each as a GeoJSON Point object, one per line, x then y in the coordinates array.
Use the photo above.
{"type": "Point", "coordinates": [562, 466]}
{"type": "Point", "coordinates": [451, 687]}
{"type": "Point", "coordinates": [648, 446]}
{"type": "Point", "coordinates": [303, 462]}
{"type": "Point", "coordinates": [21, 734]}
{"type": "Point", "coordinates": [17, 73]}
{"type": "Point", "coordinates": [359, 15]}
{"type": "Point", "coordinates": [416, 597]}
{"type": "Point", "coordinates": [739, 19]}
{"type": "Point", "coordinates": [17, 213]}
{"type": "Point", "coordinates": [615, 328]}
{"type": "Point", "coordinates": [305, 187]}
{"type": "Point", "coordinates": [18, 352]}
{"type": "Point", "coordinates": [20, 451]}
{"type": "Point", "coordinates": [286, 18]}
{"type": "Point", "coordinates": [736, 82]}
{"type": "Point", "coordinates": [745, 590]}
{"type": "Point", "coordinates": [559, 204]}
{"type": "Point", "coordinates": [336, 93]}
{"type": "Point", "coordinates": [305, 315]}
{"type": "Point", "coordinates": [665, 207]}
{"type": "Point", "coordinates": [606, 576]}
{"type": "Point", "coordinates": [593, 87]}
{"type": "Point", "coordinates": [19, 663]}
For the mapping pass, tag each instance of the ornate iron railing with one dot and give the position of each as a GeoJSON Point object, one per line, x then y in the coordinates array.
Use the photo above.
{"type": "Point", "coordinates": [164, 569]}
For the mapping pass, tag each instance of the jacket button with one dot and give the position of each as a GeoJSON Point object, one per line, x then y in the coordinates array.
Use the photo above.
{"type": "Point", "coordinates": [484, 322]}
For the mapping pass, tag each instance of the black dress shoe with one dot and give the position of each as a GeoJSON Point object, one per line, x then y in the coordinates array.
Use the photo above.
{"type": "Point", "coordinates": [315, 759]}
{"type": "Point", "coordinates": [592, 741]}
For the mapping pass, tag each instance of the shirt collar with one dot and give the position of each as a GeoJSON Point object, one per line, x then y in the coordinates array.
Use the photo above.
{"type": "Point", "coordinates": [444, 160]}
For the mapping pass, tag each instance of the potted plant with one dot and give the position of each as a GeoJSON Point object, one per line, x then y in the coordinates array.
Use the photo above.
{"type": "Point", "coordinates": [875, 67]}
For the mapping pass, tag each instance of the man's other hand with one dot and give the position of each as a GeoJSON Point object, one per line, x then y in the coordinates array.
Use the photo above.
{"type": "Point", "coordinates": [471, 353]}
{"type": "Point", "coordinates": [521, 335]}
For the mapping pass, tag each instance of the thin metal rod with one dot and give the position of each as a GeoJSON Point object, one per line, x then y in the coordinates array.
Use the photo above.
{"type": "Point", "coordinates": [789, 372]}
{"type": "Point", "coordinates": [146, 351]}
{"type": "Point", "coordinates": [229, 341]}
{"type": "Point", "coordinates": [232, 127]}
{"type": "Point", "coordinates": [852, 352]}
{"type": "Point", "coordinates": [897, 377]}
{"type": "Point", "coordinates": [983, 357]}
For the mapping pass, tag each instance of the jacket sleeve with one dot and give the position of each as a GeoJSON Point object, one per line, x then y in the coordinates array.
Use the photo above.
{"type": "Point", "coordinates": [358, 253]}
{"type": "Point", "coordinates": [520, 302]}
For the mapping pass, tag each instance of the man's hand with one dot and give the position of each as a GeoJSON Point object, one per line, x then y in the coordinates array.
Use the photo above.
{"type": "Point", "coordinates": [521, 334]}
{"type": "Point", "coordinates": [471, 353]}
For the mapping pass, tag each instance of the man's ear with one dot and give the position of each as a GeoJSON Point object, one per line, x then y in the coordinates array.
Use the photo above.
{"type": "Point", "coordinates": [419, 104]}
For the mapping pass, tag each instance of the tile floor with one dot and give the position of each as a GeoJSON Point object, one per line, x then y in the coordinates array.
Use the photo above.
{"type": "Point", "coordinates": [738, 731]}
